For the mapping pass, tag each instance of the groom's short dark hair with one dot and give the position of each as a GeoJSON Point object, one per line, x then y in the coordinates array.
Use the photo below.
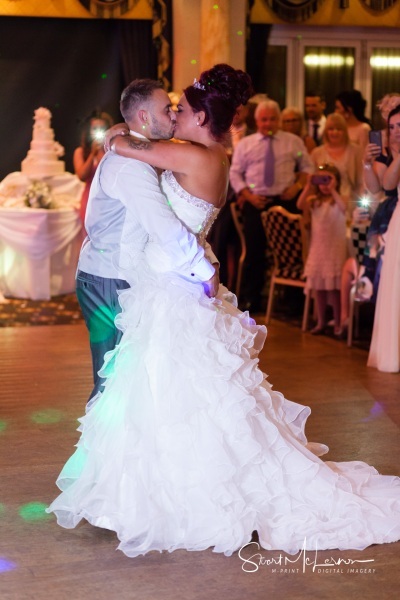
{"type": "Point", "coordinates": [137, 92]}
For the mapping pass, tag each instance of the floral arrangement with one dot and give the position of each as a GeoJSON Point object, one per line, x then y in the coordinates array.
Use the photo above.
{"type": "Point", "coordinates": [388, 103]}
{"type": "Point", "coordinates": [38, 195]}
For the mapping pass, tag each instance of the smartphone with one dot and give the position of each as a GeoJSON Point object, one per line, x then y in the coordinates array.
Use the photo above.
{"type": "Point", "coordinates": [321, 179]}
{"type": "Point", "coordinates": [99, 134]}
{"type": "Point", "coordinates": [375, 137]}
{"type": "Point", "coordinates": [364, 202]}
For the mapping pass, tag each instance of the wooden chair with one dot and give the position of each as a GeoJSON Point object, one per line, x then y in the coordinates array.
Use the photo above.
{"type": "Point", "coordinates": [286, 239]}
{"type": "Point", "coordinates": [238, 221]}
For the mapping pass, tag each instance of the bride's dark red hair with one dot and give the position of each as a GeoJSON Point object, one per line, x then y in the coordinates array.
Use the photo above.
{"type": "Point", "coordinates": [219, 92]}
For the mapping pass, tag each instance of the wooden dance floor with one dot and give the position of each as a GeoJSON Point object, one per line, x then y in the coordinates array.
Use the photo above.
{"type": "Point", "coordinates": [45, 380]}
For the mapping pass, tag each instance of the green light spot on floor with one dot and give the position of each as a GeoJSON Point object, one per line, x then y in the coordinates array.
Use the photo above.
{"type": "Point", "coordinates": [46, 416]}
{"type": "Point", "coordinates": [2, 510]}
{"type": "Point", "coordinates": [104, 75]}
{"type": "Point", "coordinates": [33, 511]}
{"type": "Point", "coordinates": [3, 426]}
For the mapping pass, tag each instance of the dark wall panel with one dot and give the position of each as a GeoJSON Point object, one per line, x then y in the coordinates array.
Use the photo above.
{"type": "Point", "coordinates": [69, 66]}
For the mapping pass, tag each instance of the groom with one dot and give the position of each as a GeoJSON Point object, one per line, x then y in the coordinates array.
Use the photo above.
{"type": "Point", "coordinates": [125, 209]}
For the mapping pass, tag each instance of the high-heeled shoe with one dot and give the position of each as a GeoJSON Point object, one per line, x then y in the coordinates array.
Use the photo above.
{"type": "Point", "coordinates": [340, 332]}
{"type": "Point", "coordinates": [318, 330]}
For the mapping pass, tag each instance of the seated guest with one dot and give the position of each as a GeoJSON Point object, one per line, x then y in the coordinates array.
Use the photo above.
{"type": "Point", "coordinates": [292, 121]}
{"type": "Point", "coordinates": [268, 168]}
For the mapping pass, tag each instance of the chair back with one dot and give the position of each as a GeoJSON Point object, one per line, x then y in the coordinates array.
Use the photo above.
{"type": "Point", "coordinates": [285, 237]}
{"type": "Point", "coordinates": [359, 240]}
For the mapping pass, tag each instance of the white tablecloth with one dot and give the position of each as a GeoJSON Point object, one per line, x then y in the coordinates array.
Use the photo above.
{"type": "Point", "coordinates": [39, 251]}
{"type": "Point", "coordinates": [39, 248]}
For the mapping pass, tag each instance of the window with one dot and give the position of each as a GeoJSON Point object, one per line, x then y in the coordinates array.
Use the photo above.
{"type": "Point", "coordinates": [274, 76]}
{"type": "Point", "coordinates": [332, 59]}
{"type": "Point", "coordinates": [330, 70]}
{"type": "Point", "coordinates": [385, 70]}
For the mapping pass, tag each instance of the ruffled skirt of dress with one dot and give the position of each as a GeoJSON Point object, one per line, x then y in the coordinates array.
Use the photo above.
{"type": "Point", "coordinates": [190, 447]}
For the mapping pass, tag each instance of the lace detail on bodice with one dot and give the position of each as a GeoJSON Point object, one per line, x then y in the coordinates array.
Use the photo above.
{"type": "Point", "coordinates": [201, 220]}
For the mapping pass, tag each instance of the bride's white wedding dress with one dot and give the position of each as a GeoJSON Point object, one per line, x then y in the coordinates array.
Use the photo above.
{"type": "Point", "coordinates": [190, 447]}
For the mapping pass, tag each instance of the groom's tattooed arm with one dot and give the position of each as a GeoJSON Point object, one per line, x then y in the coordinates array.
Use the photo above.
{"type": "Point", "coordinates": [131, 142]}
{"type": "Point", "coordinates": [138, 144]}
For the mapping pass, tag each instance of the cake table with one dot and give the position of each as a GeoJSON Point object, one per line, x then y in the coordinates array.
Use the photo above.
{"type": "Point", "coordinates": [39, 248]}
{"type": "Point", "coordinates": [40, 228]}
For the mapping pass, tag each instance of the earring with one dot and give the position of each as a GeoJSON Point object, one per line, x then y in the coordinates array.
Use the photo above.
{"type": "Point", "coordinates": [198, 123]}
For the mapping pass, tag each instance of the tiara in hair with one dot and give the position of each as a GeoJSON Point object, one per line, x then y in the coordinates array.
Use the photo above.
{"type": "Point", "coordinates": [198, 85]}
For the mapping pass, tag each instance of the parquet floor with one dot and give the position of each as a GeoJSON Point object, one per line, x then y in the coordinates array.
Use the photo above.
{"type": "Point", "coordinates": [45, 379]}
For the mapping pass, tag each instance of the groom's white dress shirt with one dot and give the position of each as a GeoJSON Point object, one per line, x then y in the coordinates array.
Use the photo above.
{"type": "Point", "coordinates": [126, 209]}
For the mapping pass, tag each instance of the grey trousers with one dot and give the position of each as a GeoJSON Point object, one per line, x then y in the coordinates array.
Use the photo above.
{"type": "Point", "coordinates": [98, 299]}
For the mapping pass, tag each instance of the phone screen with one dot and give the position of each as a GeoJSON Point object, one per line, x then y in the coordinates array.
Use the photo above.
{"type": "Point", "coordinates": [375, 137]}
{"type": "Point", "coordinates": [320, 179]}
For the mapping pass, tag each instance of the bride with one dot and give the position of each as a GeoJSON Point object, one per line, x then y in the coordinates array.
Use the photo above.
{"type": "Point", "coordinates": [189, 446]}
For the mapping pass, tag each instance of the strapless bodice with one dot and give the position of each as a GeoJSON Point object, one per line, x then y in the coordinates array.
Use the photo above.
{"type": "Point", "coordinates": [195, 213]}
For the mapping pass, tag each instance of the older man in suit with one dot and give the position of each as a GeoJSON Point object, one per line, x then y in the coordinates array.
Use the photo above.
{"type": "Point", "coordinates": [269, 168]}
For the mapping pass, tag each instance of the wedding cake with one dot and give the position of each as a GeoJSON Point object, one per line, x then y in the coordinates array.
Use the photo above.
{"type": "Point", "coordinates": [43, 157]}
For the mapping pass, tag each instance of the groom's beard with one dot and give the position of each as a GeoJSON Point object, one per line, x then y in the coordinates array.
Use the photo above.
{"type": "Point", "coordinates": [161, 132]}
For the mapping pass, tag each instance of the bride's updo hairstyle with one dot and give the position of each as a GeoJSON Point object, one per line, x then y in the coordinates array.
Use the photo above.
{"type": "Point", "coordinates": [219, 92]}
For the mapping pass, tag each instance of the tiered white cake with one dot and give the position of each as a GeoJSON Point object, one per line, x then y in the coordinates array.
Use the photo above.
{"type": "Point", "coordinates": [43, 157]}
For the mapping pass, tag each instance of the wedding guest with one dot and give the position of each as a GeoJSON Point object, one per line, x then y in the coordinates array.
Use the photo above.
{"type": "Point", "coordinates": [385, 105]}
{"type": "Point", "coordinates": [240, 127]}
{"type": "Point", "coordinates": [252, 105]}
{"type": "Point", "coordinates": [376, 161]}
{"type": "Point", "coordinates": [315, 105]}
{"type": "Point", "coordinates": [337, 149]}
{"type": "Point", "coordinates": [292, 120]}
{"type": "Point", "coordinates": [327, 252]}
{"type": "Point", "coordinates": [384, 352]}
{"type": "Point", "coordinates": [269, 168]}
{"type": "Point", "coordinates": [351, 105]}
{"type": "Point", "coordinates": [90, 152]}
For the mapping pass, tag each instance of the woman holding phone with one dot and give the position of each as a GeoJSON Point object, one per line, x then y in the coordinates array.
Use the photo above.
{"type": "Point", "coordinates": [90, 152]}
{"type": "Point", "coordinates": [385, 344]}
